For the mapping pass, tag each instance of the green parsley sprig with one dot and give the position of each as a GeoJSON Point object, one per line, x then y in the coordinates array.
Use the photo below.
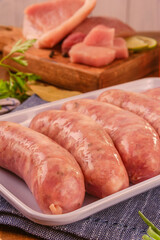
{"type": "Point", "coordinates": [153, 233]}
{"type": "Point", "coordinates": [17, 85]}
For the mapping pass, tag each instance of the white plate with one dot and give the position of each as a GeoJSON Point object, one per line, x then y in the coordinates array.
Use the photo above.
{"type": "Point", "coordinates": [15, 191]}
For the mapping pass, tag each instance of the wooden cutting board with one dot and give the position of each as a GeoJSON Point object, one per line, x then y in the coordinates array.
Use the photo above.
{"type": "Point", "coordinates": [60, 72]}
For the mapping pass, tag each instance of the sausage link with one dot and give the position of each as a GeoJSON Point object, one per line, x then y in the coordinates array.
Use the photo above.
{"type": "Point", "coordinates": [50, 171]}
{"type": "Point", "coordinates": [137, 142]}
{"type": "Point", "coordinates": [153, 93]}
{"type": "Point", "coordinates": [93, 149]}
{"type": "Point", "coordinates": [138, 103]}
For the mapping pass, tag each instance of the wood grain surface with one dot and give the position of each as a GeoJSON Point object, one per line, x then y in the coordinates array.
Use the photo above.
{"type": "Point", "coordinates": [60, 72]}
{"type": "Point", "coordinates": [11, 233]}
{"type": "Point", "coordinates": [8, 35]}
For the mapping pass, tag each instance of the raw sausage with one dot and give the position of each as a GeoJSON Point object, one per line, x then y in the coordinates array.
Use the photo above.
{"type": "Point", "coordinates": [138, 103]}
{"type": "Point", "coordinates": [134, 138]}
{"type": "Point", "coordinates": [153, 93]}
{"type": "Point", "coordinates": [93, 149]}
{"type": "Point", "coordinates": [50, 171]}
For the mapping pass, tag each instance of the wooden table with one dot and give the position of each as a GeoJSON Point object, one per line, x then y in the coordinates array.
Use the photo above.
{"type": "Point", "coordinates": [60, 72]}
{"type": "Point", "coordinates": [10, 233]}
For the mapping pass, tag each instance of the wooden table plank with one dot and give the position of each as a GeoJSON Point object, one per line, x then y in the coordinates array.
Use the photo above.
{"type": "Point", "coordinates": [60, 72]}
{"type": "Point", "coordinates": [11, 233]}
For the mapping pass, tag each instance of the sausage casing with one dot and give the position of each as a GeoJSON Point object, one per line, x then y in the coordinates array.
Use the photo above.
{"type": "Point", "coordinates": [93, 149]}
{"type": "Point", "coordinates": [137, 103]}
{"type": "Point", "coordinates": [134, 138]}
{"type": "Point", "coordinates": [50, 171]}
{"type": "Point", "coordinates": [153, 93]}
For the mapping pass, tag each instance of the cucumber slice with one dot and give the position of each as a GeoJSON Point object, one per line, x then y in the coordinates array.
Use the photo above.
{"type": "Point", "coordinates": [136, 44]}
{"type": "Point", "coordinates": [152, 43]}
{"type": "Point", "coordinates": [140, 43]}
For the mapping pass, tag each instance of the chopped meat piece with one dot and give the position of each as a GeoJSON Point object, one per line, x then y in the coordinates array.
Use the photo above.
{"type": "Point", "coordinates": [91, 55]}
{"type": "Point", "coordinates": [121, 29]}
{"type": "Point", "coordinates": [99, 48]}
{"type": "Point", "coordinates": [100, 36]}
{"type": "Point", "coordinates": [121, 48]}
{"type": "Point", "coordinates": [72, 40]}
{"type": "Point", "coordinates": [51, 21]}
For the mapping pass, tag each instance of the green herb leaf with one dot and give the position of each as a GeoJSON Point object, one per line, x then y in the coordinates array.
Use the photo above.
{"type": "Point", "coordinates": [20, 60]}
{"type": "Point", "coordinates": [18, 83]}
{"type": "Point", "coordinates": [19, 47]}
{"type": "Point", "coordinates": [22, 47]}
{"type": "Point", "coordinates": [146, 237]}
{"type": "Point", "coordinates": [29, 76]}
{"type": "Point", "coordinates": [150, 224]}
{"type": "Point", "coordinates": [3, 85]}
{"type": "Point", "coordinates": [153, 234]}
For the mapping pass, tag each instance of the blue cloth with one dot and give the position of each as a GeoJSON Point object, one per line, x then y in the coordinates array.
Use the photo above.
{"type": "Point", "coordinates": [32, 101]}
{"type": "Point", "coordinates": [8, 104]}
{"type": "Point", "coordinates": [119, 222]}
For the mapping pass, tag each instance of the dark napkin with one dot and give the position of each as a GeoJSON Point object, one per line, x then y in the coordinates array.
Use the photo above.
{"type": "Point", "coordinates": [120, 222]}
{"type": "Point", "coordinates": [8, 104]}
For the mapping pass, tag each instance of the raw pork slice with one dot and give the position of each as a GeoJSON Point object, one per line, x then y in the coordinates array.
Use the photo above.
{"type": "Point", "coordinates": [100, 36]}
{"type": "Point", "coordinates": [73, 39]}
{"type": "Point", "coordinates": [121, 48]}
{"type": "Point", "coordinates": [121, 29]}
{"type": "Point", "coordinates": [51, 21]}
{"type": "Point", "coordinates": [91, 55]}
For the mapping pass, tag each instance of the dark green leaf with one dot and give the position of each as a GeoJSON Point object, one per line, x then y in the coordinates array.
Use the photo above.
{"type": "Point", "coordinates": [3, 85]}
{"type": "Point", "coordinates": [19, 82]}
{"type": "Point", "coordinates": [4, 95]}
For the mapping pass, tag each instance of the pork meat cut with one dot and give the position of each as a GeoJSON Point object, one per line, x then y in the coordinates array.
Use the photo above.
{"type": "Point", "coordinates": [49, 22]}
{"type": "Point", "coordinates": [73, 39]}
{"type": "Point", "coordinates": [121, 28]}
{"type": "Point", "coordinates": [99, 48]}
{"type": "Point", "coordinates": [91, 55]}
{"type": "Point", "coordinates": [100, 36]}
{"type": "Point", "coordinates": [119, 44]}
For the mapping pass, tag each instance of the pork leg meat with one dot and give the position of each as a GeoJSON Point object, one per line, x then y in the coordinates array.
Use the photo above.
{"type": "Point", "coordinates": [93, 149]}
{"type": "Point", "coordinates": [134, 138]}
{"type": "Point", "coordinates": [50, 171]}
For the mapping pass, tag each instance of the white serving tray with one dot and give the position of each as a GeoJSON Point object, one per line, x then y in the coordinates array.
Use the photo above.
{"type": "Point", "coordinates": [15, 191]}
